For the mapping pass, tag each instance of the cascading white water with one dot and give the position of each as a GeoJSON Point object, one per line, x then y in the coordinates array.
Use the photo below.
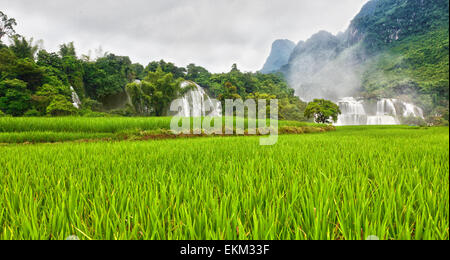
{"type": "Point", "coordinates": [196, 102]}
{"type": "Point", "coordinates": [353, 112]}
{"type": "Point", "coordinates": [412, 110]}
{"type": "Point", "coordinates": [386, 112]}
{"type": "Point", "coordinates": [75, 99]}
{"type": "Point", "coordinates": [382, 120]}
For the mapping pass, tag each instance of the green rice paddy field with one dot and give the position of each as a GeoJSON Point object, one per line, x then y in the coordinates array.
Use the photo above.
{"type": "Point", "coordinates": [391, 182]}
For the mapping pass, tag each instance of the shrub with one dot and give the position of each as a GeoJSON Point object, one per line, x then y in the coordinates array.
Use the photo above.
{"type": "Point", "coordinates": [95, 114]}
{"type": "Point", "coordinates": [14, 97]}
{"type": "Point", "coordinates": [436, 121]}
{"type": "Point", "coordinates": [91, 104]}
{"type": "Point", "coordinates": [60, 106]}
{"type": "Point", "coordinates": [413, 121]}
{"type": "Point", "coordinates": [32, 113]}
{"type": "Point", "coordinates": [128, 111]}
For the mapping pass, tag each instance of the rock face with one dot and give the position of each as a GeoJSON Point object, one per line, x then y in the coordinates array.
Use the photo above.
{"type": "Point", "coordinates": [279, 56]}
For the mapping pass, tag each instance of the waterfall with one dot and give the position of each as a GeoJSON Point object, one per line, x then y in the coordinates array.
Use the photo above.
{"type": "Point", "coordinates": [195, 102]}
{"type": "Point", "coordinates": [75, 99]}
{"type": "Point", "coordinates": [385, 112]}
{"type": "Point", "coordinates": [412, 110]}
{"type": "Point", "coordinates": [353, 112]}
{"type": "Point", "coordinates": [386, 107]}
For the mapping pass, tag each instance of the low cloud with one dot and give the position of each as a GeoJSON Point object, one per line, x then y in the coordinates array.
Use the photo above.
{"type": "Point", "coordinates": [214, 34]}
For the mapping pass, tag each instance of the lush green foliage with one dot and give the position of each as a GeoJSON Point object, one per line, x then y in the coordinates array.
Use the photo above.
{"type": "Point", "coordinates": [416, 67]}
{"type": "Point", "coordinates": [26, 85]}
{"type": "Point", "coordinates": [241, 85]}
{"type": "Point", "coordinates": [410, 44]}
{"type": "Point", "coordinates": [6, 26]}
{"type": "Point", "coordinates": [350, 184]}
{"type": "Point", "coordinates": [382, 22]}
{"type": "Point", "coordinates": [392, 49]}
{"type": "Point", "coordinates": [323, 111]}
{"type": "Point", "coordinates": [167, 67]}
{"type": "Point", "coordinates": [102, 82]}
{"type": "Point", "coordinates": [153, 95]}
{"type": "Point", "coordinates": [23, 48]}
{"type": "Point", "coordinates": [14, 97]}
{"type": "Point", "coordinates": [108, 76]}
{"type": "Point", "coordinates": [60, 106]}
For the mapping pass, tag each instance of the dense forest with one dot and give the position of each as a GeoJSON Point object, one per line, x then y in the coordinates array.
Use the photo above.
{"type": "Point", "coordinates": [35, 82]}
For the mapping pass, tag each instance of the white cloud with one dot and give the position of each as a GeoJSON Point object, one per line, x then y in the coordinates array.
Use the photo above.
{"type": "Point", "coordinates": [211, 33]}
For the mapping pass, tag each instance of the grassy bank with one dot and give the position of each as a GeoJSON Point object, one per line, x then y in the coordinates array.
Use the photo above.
{"type": "Point", "coordinates": [63, 129]}
{"type": "Point", "coordinates": [100, 125]}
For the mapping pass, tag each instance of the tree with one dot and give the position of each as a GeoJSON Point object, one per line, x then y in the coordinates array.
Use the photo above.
{"type": "Point", "coordinates": [14, 97]}
{"type": "Point", "coordinates": [61, 106]}
{"type": "Point", "coordinates": [199, 75]}
{"type": "Point", "coordinates": [7, 62]}
{"type": "Point", "coordinates": [109, 75]}
{"type": "Point", "coordinates": [230, 92]}
{"type": "Point", "coordinates": [6, 25]}
{"type": "Point", "coordinates": [67, 50]}
{"type": "Point", "coordinates": [23, 48]}
{"type": "Point", "coordinates": [138, 71]}
{"type": "Point", "coordinates": [153, 95]}
{"type": "Point", "coordinates": [27, 71]}
{"type": "Point", "coordinates": [167, 67]}
{"type": "Point", "coordinates": [45, 95]}
{"type": "Point", "coordinates": [234, 68]}
{"type": "Point", "coordinates": [106, 77]}
{"type": "Point", "coordinates": [291, 108]}
{"type": "Point", "coordinates": [324, 111]}
{"type": "Point", "coordinates": [73, 68]}
{"type": "Point", "coordinates": [262, 96]}
{"type": "Point", "coordinates": [49, 59]}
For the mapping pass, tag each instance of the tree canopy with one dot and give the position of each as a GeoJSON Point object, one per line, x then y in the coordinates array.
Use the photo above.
{"type": "Point", "coordinates": [323, 111]}
{"type": "Point", "coordinates": [153, 95]}
{"type": "Point", "coordinates": [6, 25]}
{"type": "Point", "coordinates": [37, 82]}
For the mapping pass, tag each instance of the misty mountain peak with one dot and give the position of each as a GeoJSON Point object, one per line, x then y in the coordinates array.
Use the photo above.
{"type": "Point", "coordinates": [279, 55]}
{"type": "Point", "coordinates": [369, 58]}
{"type": "Point", "coordinates": [321, 40]}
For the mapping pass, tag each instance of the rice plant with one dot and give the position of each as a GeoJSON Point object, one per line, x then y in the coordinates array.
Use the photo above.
{"type": "Point", "coordinates": [357, 182]}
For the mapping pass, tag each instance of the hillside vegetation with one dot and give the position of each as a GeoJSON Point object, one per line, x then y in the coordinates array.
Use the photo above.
{"type": "Point", "coordinates": [35, 82]}
{"type": "Point", "coordinates": [392, 49]}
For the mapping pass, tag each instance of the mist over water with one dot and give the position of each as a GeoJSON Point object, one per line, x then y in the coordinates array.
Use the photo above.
{"type": "Point", "coordinates": [323, 68]}
{"type": "Point", "coordinates": [326, 75]}
{"type": "Point", "coordinates": [382, 112]}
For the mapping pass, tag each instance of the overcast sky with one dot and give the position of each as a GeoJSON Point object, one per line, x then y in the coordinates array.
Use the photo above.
{"type": "Point", "coordinates": [211, 33]}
